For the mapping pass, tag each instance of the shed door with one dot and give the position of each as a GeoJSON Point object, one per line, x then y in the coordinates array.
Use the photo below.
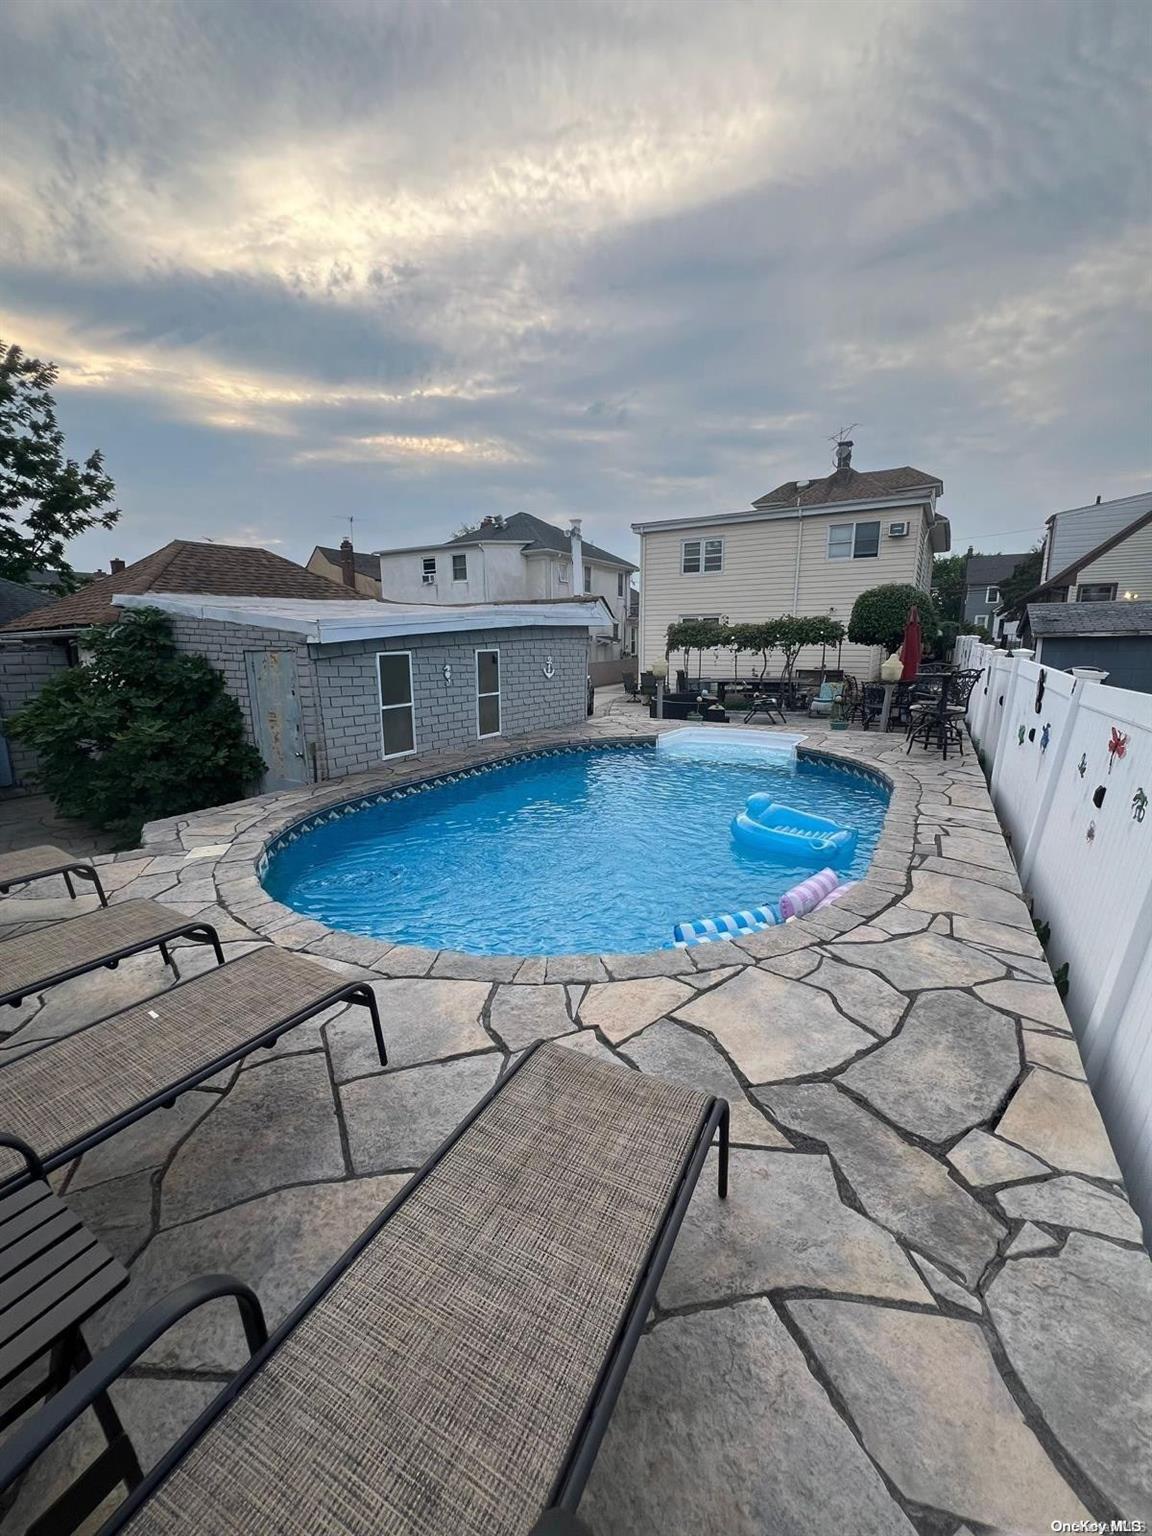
{"type": "Point", "coordinates": [276, 721]}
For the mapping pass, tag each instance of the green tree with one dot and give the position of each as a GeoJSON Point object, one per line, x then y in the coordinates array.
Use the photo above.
{"type": "Point", "coordinates": [138, 732]}
{"type": "Point", "coordinates": [949, 586]}
{"type": "Point", "coordinates": [701, 635]}
{"type": "Point", "coordinates": [1025, 575]}
{"type": "Point", "coordinates": [46, 499]}
{"type": "Point", "coordinates": [880, 613]}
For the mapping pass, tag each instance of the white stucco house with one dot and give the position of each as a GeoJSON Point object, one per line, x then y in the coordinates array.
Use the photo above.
{"type": "Point", "coordinates": [510, 559]}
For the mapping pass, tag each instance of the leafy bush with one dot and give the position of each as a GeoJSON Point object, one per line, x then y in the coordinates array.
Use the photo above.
{"type": "Point", "coordinates": [138, 732]}
{"type": "Point", "coordinates": [879, 616]}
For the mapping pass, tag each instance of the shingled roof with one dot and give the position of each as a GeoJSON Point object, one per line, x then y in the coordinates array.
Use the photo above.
{"type": "Point", "coordinates": [182, 566]}
{"type": "Point", "coordinates": [365, 565]}
{"type": "Point", "coordinates": [991, 570]}
{"type": "Point", "coordinates": [850, 485]}
{"type": "Point", "coordinates": [1079, 619]}
{"type": "Point", "coordinates": [534, 533]}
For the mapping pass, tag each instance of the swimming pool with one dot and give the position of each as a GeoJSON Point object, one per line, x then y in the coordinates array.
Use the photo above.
{"type": "Point", "coordinates": [596, 850]}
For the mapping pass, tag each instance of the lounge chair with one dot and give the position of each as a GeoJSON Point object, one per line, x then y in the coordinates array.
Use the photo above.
{"type": "Point", "coordinates": [75, 1092]}
{"type": "Point", "coordinates": [29, 864]}
{"type": "Point", "coordinates": [454, 1373]}
{"type": "Point", "coordinates": [59, 951]}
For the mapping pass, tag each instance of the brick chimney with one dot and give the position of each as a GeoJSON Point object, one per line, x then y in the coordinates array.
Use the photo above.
{"type": "Point", "coordinates": [347, 563]}
{"type": "Point", "coordinates": [115, 567]}
{"type": "Point", "coordinates": [844, 454]}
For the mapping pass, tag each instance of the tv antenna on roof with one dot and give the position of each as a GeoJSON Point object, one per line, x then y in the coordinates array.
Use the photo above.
{"type": "Point", "coordinates": [839, 437]}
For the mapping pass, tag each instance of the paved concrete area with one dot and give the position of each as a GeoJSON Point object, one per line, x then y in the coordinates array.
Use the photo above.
{"type": "Point", "coordinates": [925, 1307]}
{"type": "Point", "coordinates": [26, 820]}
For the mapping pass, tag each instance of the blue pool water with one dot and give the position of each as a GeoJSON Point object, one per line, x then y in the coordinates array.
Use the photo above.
{"type": "Point", "coordinates": [602, 850]}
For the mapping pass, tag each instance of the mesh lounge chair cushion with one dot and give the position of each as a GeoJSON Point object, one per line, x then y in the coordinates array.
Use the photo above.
{"type": "Point", "coordinates": [33, 959]}
{"type": "Point", "coordinates": [27, 863]}
{"type": "Point", "coordinates": [55, 1096]}
{"type": "Point", "coordinates": [433, 1391]}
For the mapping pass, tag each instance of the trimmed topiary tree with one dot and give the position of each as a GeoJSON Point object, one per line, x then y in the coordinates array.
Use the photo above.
{"type": "Point", "coordinates": [879, 616]}
{"type": "Point", "coordinates": [138, 732]}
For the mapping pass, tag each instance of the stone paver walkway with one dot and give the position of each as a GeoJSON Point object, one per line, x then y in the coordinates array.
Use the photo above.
{"type": "Point", "coordinates": [925, 1307]}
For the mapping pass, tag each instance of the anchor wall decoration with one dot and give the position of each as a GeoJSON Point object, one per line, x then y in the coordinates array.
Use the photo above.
{"type": "Point", "coordinates": [549, 668]}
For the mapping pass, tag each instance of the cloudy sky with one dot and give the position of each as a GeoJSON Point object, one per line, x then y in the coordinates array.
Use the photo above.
{"type": "Point", "coordinates": [421, 260]}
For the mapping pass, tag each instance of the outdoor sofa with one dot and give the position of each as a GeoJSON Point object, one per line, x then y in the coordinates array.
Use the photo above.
{"type": "Point", "coordinates": [58, 951]}
{"type": "Point", "coordinates": [72, 1093]}
{"type": "Point", "coordinates": [454, 1373]}
{"type": "Point", "coordinates": [28, 864]}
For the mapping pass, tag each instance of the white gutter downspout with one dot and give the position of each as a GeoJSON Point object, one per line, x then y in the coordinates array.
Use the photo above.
{"type": "Point", "coordinates": [799, 546]}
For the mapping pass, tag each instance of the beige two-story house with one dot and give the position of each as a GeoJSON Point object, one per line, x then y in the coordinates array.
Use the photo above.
{"type": "Point", "coordinates": [808, 547]}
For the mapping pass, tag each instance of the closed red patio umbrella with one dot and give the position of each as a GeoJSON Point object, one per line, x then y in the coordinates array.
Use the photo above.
{"type": "Point", "coordinates": [912, 646]}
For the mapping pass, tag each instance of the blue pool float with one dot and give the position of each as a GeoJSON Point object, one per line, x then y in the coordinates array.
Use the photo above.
{"type": "Point", "coordinates": [765, 827]}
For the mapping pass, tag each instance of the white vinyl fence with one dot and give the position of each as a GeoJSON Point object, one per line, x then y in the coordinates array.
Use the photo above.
{"type": "Point", "coordinates": [1070, 762]}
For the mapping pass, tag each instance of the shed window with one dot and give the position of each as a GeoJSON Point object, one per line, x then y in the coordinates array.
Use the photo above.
{"type": "Point", "coordinates": [397, 726]}
{"type": "Point", "coordinates": [488, 693]}
{"type": "Point", "coordinates": [459, 567]}
{"type": "Point", "coordinates": [428, 570]}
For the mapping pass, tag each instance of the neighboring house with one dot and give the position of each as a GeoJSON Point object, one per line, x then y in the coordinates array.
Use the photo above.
{"type": "Point", "coordinates": [809, 547]}
{"type": "Point", "coordinates": [39, 642]}
{"type": "Point", "coordinates": [1097, 554]}
{"type": "Point", "coordinates": [15, 599]}
{"type": "Point", "coordinates": [348, 567]}
{"type": "Point", "coordinates": [1115, 637]}
{"type": "Point", "coordinates": [331, 688]}
{"type": "Point", "coordinates": [982, 576]}
{"type": "Point", "coordinates": [511, 559]}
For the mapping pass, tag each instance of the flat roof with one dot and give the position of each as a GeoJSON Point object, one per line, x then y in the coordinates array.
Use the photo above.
{"type": "Point", "coordinates": [330, 622]}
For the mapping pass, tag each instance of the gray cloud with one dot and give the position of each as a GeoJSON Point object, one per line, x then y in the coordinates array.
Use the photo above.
{"type": "Point", "coordinates": [620, 258]}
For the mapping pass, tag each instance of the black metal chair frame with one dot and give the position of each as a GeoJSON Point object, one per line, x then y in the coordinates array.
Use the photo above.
{"type": "Point", "coordinates": [195, 930]}
{"type": "Point", "coordinates": [937, 717]}
{"type": "Point", "coordinates": [559, 1516]}
{"type": "Point", "coordinates": [765, 704]}
{"type": "Point", "coordinates": [351, 992]}
{"type": "Point", "coordinates": [67, 1354]}
{"type": "Point", "coordinates": [85, 871]}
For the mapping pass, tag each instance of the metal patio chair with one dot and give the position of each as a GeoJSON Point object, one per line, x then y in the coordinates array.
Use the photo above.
{"type": "Point", "coordinates": [28, 864]}
{"type": "Point", "coordinates": [454, 1373]}
{"type": "Point", "coordinates": [75, 1092]}
{"type": "Point", "coordinates": [59, 951]}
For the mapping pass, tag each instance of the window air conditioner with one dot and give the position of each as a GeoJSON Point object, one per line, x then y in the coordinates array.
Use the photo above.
{"type": "Point", "coordinates": [897, 530]}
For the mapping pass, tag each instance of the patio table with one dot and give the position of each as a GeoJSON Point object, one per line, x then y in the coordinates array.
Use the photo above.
{"type": "Point", "coordinates": [932, 680]}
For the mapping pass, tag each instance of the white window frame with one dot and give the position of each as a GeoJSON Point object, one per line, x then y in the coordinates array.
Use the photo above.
{"type": "Point", "coordinates": [981, 620]}
{"type": "Point", "coordinates": [864, 522]}
{"type": "Point", "coordinates": [464, 559]}
{"type": "Point", "coordinates": [564, 572]}
{"type": "Point", "coordinates": [702, 556]}
{"type": "Point", "coordinates": [587, 578]}
{"type": "Point", "coordinates": [410, 706]}
{"type": "Point", "coordinates": [486, 650]}
{"type": "Point", "coordinates": [427, 577]}
{"type": "Point", "coordinates": [991, 595]}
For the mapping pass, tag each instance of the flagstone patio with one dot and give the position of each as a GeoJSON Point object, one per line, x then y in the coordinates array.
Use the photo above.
{"type": "Point", "coordinates": [925, 1307]}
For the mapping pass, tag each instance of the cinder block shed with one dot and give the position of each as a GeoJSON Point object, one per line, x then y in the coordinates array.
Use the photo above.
{"type": "Point", "coordinates": [332, 688]}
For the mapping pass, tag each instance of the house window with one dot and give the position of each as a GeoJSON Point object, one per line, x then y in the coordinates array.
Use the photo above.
{"type": "Point", "coordinates": [615, 631]}
{"type": "Point", "coordinates": [981, 621]}
{"type": "Point", "coordinates": [565, 572]}
{"type": "Point", "coordinates": [853, 541]}
{"type": "Point", "coordinates": [459, 567]}
{"type": "Point", "coordinates": [619, 583]}
{"type": "Point", "coordinates": [992, 596]}
{"type": "Point", "coordinates": [397, 726]}
{"type": "Point", "coordinates": [1097, 592]}
{"type": "Point", "coordinates": [700, 618]}
{"type": "Point", "coordinates": [488, 693]}
{"type": "Point", "coordinates": [587, 578]}
{"type": "Point", "coordinates": [698, 555]}
{"type": "Point", "coordinates": [428, 571]}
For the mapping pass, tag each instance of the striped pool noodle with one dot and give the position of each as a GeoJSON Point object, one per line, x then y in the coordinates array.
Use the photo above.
{"type": "Point", "coordinates": [706, 930]}
{"type": "Point", "coordinates": [835, 895]}
{"type": "Point", "coordinates": [806, 896]}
